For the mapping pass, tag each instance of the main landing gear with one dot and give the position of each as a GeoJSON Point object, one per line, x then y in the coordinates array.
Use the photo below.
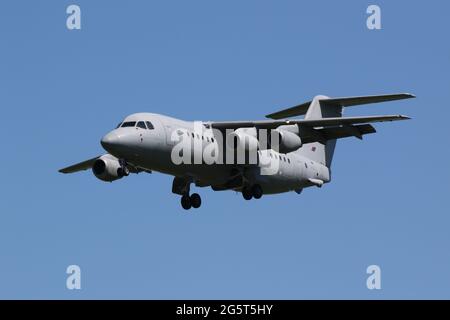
{"type": "Point", "coordinates": [252, 192]}
{"type": "Point", "coordinates": [192, 201]}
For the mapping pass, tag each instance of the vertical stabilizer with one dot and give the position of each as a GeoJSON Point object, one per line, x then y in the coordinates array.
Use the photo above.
{"type": "Point", "coordinates": [319, 110]}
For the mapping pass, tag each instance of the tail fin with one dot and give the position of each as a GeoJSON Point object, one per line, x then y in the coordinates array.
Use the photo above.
{"type": "Point", "coordinates": [319, 110]}
{"type": "Point", "coordinates": [324, 107]}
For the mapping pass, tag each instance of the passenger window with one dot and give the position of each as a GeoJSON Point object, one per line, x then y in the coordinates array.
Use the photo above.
{"type": "Point", "coordinates": [193, 135]}
{"type": "Point", "coordinates": [149, 125]}
{"type": "Point", "coordinates": [128, 124]}
{"type": "Point", "coordinates": [212, 139]}
{"type": "Point", "coordinates": [141, 125]}
{"type": "Point", "coordinates": [207, 139]}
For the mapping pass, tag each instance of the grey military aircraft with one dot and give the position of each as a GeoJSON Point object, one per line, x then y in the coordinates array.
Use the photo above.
{"type": "Point", "coordinates": [301, 148]}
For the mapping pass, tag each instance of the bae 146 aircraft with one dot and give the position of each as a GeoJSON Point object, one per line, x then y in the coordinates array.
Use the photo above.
{"type": "Point", "coordinates": [303, 152]}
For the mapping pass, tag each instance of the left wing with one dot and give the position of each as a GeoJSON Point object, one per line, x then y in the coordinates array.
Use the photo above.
{"type": "Point", "coordinates": [325, 122]}
{"type": "Point", "coordinates": [309, 135]}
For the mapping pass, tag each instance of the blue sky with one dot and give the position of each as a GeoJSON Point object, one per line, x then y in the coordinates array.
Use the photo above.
{"type": "Point", "coordinates": [61, 90]}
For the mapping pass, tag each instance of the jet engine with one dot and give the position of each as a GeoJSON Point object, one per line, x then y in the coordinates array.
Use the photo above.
{"type": "Point", "coordinates": [243, 139]}
{"type": "Point", "coordinates": [288, 141]}
{"type": "Point", "coordinates": [107, 168]}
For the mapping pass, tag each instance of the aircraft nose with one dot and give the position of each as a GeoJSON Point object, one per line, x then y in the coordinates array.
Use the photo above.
{"type": "Point", "coordinates": [110, 140]}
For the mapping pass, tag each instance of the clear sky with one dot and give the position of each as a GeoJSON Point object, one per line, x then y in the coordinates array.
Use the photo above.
{"type": "Point", "coordinates": [61, 91]}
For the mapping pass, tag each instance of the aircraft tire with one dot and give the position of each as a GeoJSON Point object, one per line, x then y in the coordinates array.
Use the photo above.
{"type": "Point", "coordinates": [247, 193]}
{"type": "Point", "coordinates": [257, 191]}
{"type": "Point", "coordinates": [196, 200]}
{"type": "Point", "coordinates": [186, 202]}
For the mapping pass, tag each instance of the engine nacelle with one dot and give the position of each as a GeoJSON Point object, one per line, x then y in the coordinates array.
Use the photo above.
{"type": "Point", "coordinates": [243, 139]}
{"type": "Point", "coordinates": [288, 141]}
{"type": "Point", "coordinates": [107, 168]}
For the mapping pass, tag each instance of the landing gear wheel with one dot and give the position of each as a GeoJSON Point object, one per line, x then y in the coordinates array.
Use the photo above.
{"type": "Point", "coordinates": [196, 201]}
{"type": "Point", "coordinates": [247, 193]}
{"type": "Point", "coordinates": [257, 191]}
{"type": "Point", "coordinates": [186, 202]}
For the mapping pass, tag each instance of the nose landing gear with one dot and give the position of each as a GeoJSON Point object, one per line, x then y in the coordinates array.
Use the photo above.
{"type": "Point", "coordinates": [181, 186]}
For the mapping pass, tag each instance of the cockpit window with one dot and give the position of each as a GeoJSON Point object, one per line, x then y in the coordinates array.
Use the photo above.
{"type": "Point", "coordinates": [149, 125]}
{"type": "Point", "coordinates": [128, 124]}
{"type": "Point", "coordinates": [118, 126]}
{"type": "Point", "coordinates": [141, 125]}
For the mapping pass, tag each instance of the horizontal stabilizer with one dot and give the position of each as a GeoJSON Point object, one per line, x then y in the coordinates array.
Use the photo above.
{"type": "Point", "coordinates": [301, 109]}
{"type": "Point", "coordinates": [295, 111]}
{"type": "Point", "coordinates": [356, 101]}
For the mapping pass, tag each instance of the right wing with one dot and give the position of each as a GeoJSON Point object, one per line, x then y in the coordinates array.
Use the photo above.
{"type": "Point", "coordinates": [85, 165]}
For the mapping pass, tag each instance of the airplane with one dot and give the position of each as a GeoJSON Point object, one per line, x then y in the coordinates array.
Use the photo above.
{"type": "Point", "coordinates": [303, 152]}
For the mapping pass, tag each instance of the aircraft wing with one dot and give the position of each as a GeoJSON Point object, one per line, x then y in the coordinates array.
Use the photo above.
{"type": "Point", "coordinates": [85, 165]}
{"type": "Point", "coordinates": [311, 123]}
{"type": "Point", "coordinates": [329, 133]}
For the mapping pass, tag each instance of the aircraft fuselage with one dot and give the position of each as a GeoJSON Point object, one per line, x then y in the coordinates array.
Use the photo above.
{"type": "Point", "coordinates": [152, 150]}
